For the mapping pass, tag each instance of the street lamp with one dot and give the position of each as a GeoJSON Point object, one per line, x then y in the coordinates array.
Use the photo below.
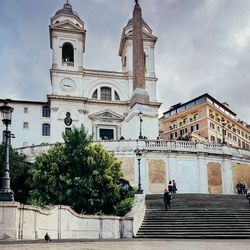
{"type": "Point", "coordinates": [223, 130]}
{"type": "Point", "coordinates": [6, 194]}
{"type": "Point", "coordinates": [140, 117]}
{"type": "Point", "coordinates": [138, 156]}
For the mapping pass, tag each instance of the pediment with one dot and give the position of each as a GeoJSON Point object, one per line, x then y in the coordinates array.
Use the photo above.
{"type": "Point", "coordinates": [146, 35]}
{"type": "Point", "coordinates": [67, 24]}
{"type": "Point", "coordinates": [106, 115]}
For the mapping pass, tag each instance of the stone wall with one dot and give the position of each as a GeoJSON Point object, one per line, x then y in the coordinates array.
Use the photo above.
{"type": "Point", "coordinates": [196, 167]}
{"type": "Point", "coordinates": [18, 221]}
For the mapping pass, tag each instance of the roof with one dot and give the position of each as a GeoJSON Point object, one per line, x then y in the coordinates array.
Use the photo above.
{"type": "Point", "coordinates": [204, 95]}
{"type": "Point", "coordinates": [23, 102]}
{"type": "Point", "coordinates": [67, 9]}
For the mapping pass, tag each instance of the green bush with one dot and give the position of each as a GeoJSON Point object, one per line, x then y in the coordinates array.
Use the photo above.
{"type": "Point", "coordinates": [124, 206]}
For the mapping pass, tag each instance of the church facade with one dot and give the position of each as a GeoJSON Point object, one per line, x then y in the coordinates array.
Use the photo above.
{"type": "Point", "coordinates": [109, 104]}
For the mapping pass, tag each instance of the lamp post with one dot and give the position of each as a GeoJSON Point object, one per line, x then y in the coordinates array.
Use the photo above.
{"type": "Point", "coordinates": [6, 194]}
{"type": "Point", "coordinates": [138, 157]}
{"type": "Point", "coordinates": [140, 117]}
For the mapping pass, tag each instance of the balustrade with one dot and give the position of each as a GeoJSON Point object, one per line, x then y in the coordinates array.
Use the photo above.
{"type": "Point", "coordinates": [148, 145]}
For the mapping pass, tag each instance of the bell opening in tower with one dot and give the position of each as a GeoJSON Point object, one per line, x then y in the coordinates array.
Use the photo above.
{"type": "Point", "coordinates": [67, 54]}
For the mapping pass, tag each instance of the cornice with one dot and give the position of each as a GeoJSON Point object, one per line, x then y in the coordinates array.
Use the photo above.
{"type": "Point", "coordinates": [87, 100]}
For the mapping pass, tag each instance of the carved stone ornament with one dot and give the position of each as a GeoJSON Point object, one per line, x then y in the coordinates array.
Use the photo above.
{"type": "Point", "coordinates": [83, 111]}
{"type": "Point", "coordinates": [54, 109]}
{"type": "Point", "coordinates": [67, 119]}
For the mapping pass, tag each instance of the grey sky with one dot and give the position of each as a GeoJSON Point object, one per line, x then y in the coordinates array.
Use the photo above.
{"type": "Point", "coordinates": [203, 46]}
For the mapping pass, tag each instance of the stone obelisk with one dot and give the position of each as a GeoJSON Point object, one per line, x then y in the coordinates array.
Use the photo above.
{"type": "Point", "coordinates": [140, 94]}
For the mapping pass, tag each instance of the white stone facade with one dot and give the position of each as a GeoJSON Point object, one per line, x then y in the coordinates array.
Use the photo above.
{"type": "Point", "coordinates": [100, 100]}
{"type": "Point", "coordinates": [188, 163]}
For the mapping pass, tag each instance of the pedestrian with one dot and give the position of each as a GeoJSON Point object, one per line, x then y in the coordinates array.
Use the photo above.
{"type": "Point", "coordinates": [170, 187]}
{"type": "Point", "coordinates": [174, 186]}
{"type": "Point", "coordinates": [245, 187]}
{"type": "Point", "coordinates": [167, 199]}
{"type": "Point", "coordinates": [239, 188]}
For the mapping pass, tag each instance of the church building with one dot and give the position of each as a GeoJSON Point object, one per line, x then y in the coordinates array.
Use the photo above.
{"type": "Point", "coordinates": [111, 105]}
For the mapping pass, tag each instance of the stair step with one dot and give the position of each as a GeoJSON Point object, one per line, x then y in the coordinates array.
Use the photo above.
{"type": "Point", "coordinates": [197, 216]}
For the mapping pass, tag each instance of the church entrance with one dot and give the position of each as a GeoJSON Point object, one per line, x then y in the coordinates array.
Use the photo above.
{"type": "Point", "coordinates": [106, 134]}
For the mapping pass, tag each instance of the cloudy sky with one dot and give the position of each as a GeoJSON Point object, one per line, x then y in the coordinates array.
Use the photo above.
{"type": "Point", "coordinates": [203, 46]}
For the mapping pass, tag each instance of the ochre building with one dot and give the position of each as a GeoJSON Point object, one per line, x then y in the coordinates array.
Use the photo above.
{"type": "Point", "coordinates": [205, 119]}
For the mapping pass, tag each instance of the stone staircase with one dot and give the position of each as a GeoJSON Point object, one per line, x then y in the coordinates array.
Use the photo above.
{"type": "Point", "coordinates": [195, 216]}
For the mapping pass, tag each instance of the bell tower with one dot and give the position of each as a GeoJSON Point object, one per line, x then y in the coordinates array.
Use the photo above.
{"type": "Point", "coordinates": [126, 47]}
{"type": "Point", "coordinates": [67, 41]}
{"type": "Point", "coordinates": [137, 53]}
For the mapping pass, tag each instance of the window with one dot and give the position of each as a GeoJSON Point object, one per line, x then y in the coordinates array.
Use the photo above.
{"type": "Point", "coordinates": [25, 125]}
{"type": "Point", "coordinates": [46, 111]}
{"type": "Point", "coordinates": [212, 138]}
{"type": "Point", "coordinates": [243, 144]}
{"type": "Point", "coordinates": [212, 125]}
{"type": "Point", "coordinates": [94, 96]}
{"type": "Point", "coordinates": [46, 129]}
{"type": "Point", "coordinates": [229, 135]}
{"type": "Point", "coordinates": [68, 54]}
{"type": "Point", "coordinates": [174, 125]}
{"type": "Point", "coordinates": [196, 116]}
{"type": "Point", "coordinates": [183, 131]}
{"type": "Point", "coordinates": [194, 127]}
{"type": "Point", "coordinates": [105, 93]}
{"type": "Point", "coordinates": [218, 128]}
{"type": "Point", "coordinates": [173, 135]}
{"type": "Point", "coordinates": [106, 134]}
{"type": "Point", "coordinates": [234, 138]}
{"type": "Point", "coordinates": [25, 110]}
{"type": "Point", "coordinates": [219, 140]}
{"type": "Point", "coordinates": [185, 121]}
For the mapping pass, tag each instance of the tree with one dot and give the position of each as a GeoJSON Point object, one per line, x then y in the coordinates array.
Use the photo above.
{"type": "Point", "coordinates": [19, 173]}
{"type": "Point", "coordinates": [79, 174]}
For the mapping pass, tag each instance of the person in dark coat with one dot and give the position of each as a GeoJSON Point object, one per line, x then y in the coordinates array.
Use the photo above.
{"type": "Point", "coordinates": [167, 199]}
{"type": "Point", "coordinates": [170, 187]}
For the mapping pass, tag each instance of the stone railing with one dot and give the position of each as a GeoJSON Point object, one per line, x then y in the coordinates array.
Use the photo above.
{"type": "Point", "coordinates": [129, 146]}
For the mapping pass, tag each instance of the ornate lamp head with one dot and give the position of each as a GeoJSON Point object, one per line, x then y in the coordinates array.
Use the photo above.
{"type": "Point", "coordinates": [6, 113]}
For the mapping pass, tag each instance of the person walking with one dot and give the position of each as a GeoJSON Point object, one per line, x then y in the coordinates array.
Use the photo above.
{"type": "Point", "coordinates": [170, 187]}
{"type": "Point", "coordinates": [174, 187]}
{"type": "Point", "coordinates": [167, 199]}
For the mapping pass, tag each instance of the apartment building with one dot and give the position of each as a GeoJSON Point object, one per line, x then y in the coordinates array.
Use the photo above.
{"type": "Point", "coordinates": [204, 119]}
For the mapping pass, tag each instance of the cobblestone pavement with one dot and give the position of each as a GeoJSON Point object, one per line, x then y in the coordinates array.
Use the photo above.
{"type": "Point", "coordinates": [130, 245]}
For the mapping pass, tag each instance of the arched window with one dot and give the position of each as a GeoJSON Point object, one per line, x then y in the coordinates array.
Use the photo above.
{"type": "Point", "coordinates": [94, 96]}
{"type": "Point", "coordinates": [46, 129]}
{"type": "Point", "coordinates": [105, 93]}
{"type": "Point", "coordinates": [68, 54]}
{"type": "Point", "coordinates": [46, 111]}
